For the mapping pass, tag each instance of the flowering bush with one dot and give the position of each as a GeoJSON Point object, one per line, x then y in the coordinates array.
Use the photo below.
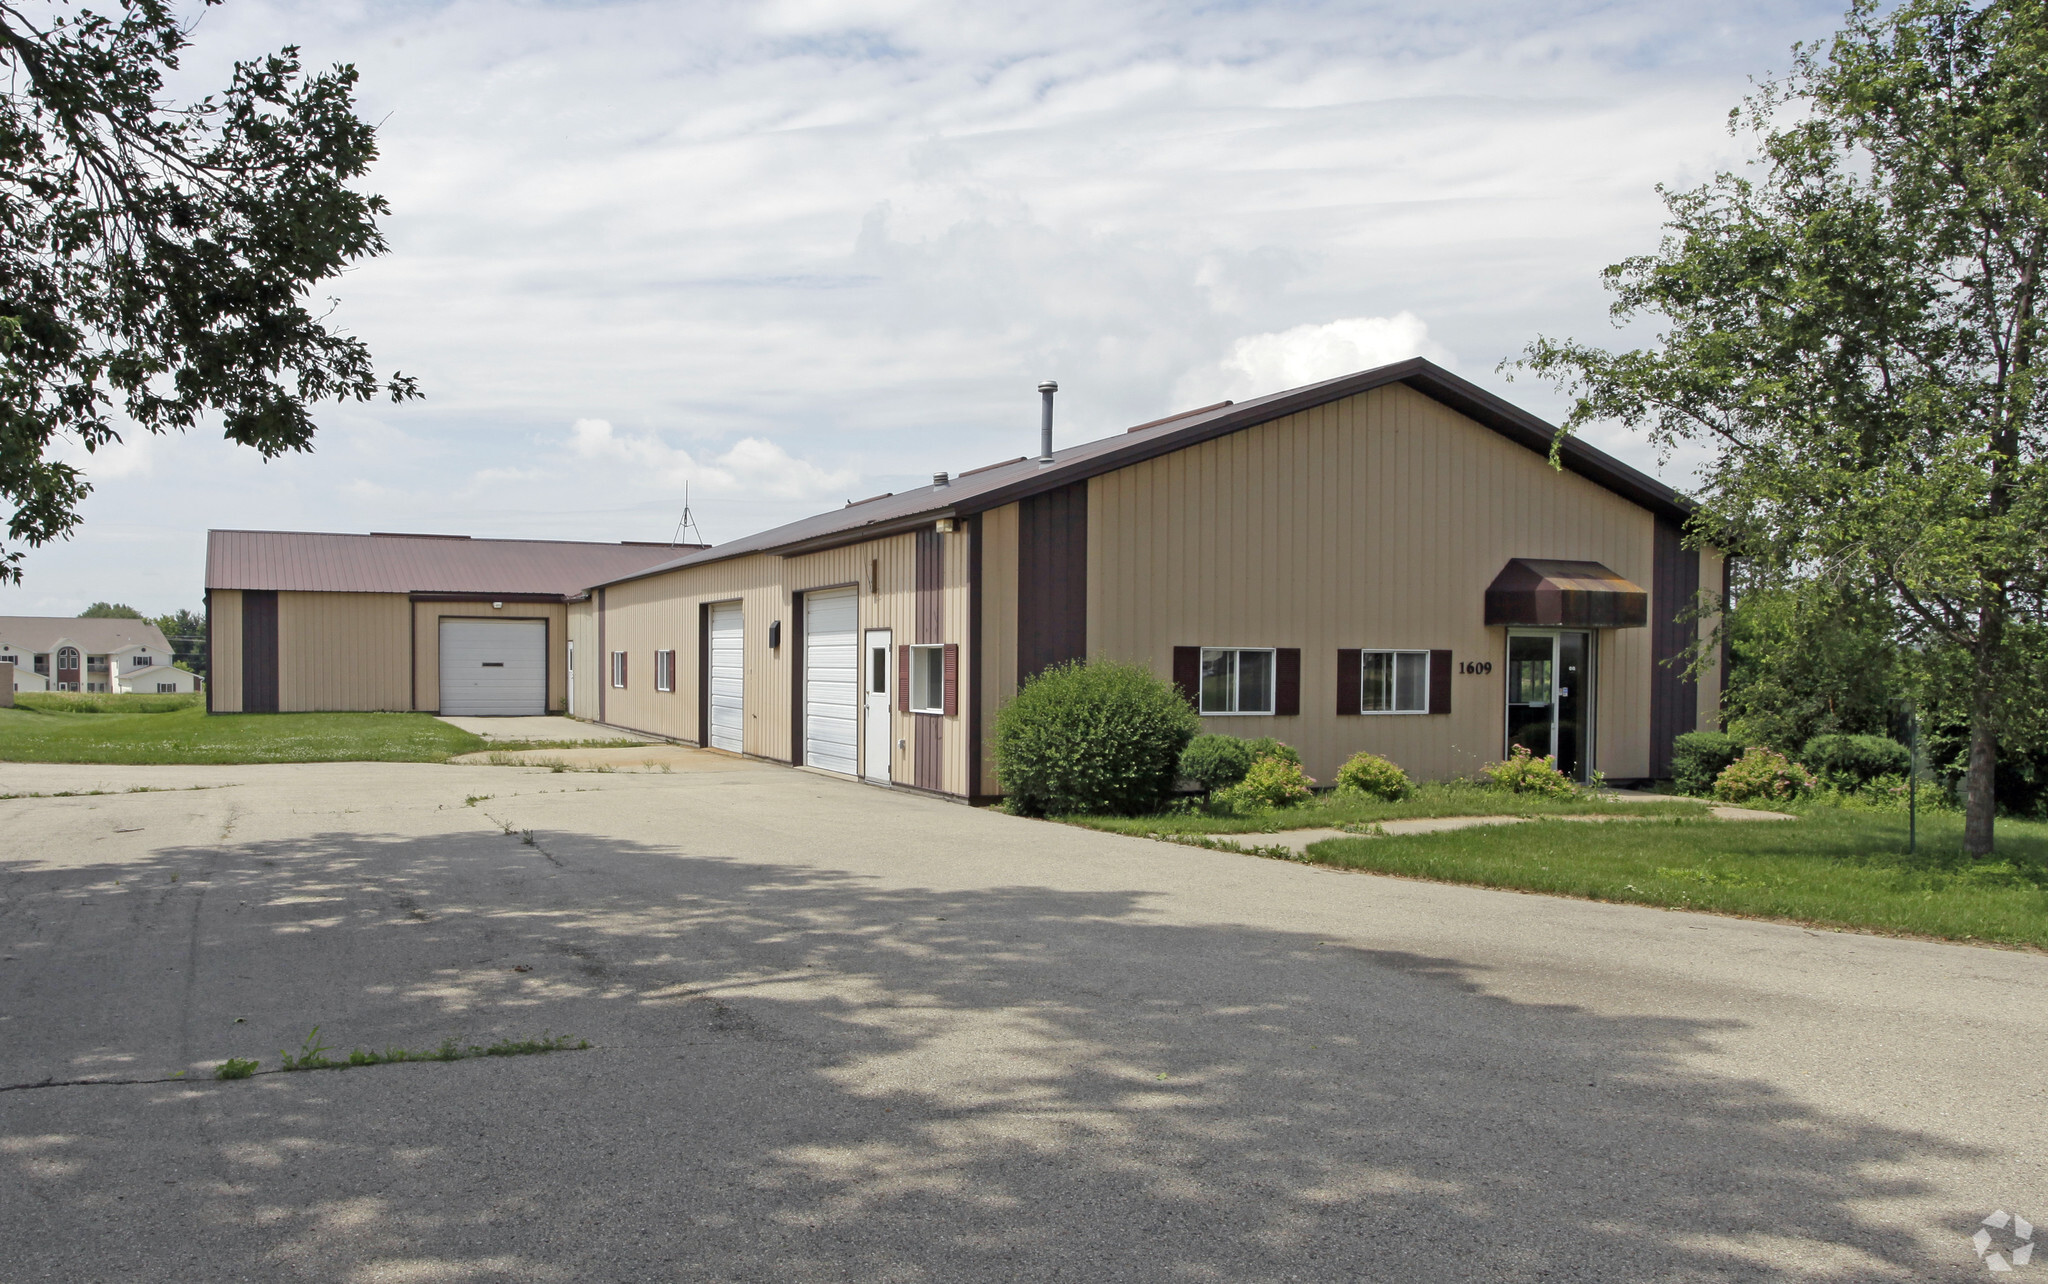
{"type": "Point", "coordinates": [1763, 774]}
{"type": "Point", "coordinates": [1368, 773]}
{"type": "Point", "coordinates": [1521, 772]}
{"type": "Point", "coordinates": [1273, 781]}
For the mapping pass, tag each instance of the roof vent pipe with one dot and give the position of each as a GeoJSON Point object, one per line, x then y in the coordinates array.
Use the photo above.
{"type": "Point", "coordinates": [940, 479]}
{"type": "Point", "coordinates": [1046, 390]}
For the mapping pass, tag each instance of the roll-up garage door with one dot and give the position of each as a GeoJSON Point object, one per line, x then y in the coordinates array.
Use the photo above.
{"type": "Point", "coordinates": [494, 666]}
{"type": "Point", "coordinates": [832, 680]}
{"type": "Point", "coordinates": [728, 677]}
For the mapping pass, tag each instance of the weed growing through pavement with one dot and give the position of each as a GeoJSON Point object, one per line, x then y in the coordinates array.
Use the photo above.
{"type": "Point", "coordinates": [474, 799]}
{"type": "Point", "coordinates": [312, 1054]}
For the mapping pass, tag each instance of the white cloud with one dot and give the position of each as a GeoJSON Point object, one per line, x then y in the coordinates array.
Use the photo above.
{"type": "Point", "coordinates": [1262, 363]}
{"type": "Point", "coordinates": [798, 251]}
{"type": "Point", "coordinates": [752, 466]}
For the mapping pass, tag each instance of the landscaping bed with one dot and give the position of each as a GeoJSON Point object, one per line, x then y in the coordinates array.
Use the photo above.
{"type": "Point", "coordinates": [1339, 810]}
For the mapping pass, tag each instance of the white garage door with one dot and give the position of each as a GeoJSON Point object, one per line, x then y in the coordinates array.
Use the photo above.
{"type": "Point", "coordinates": [494, 666]}
{"type": "Point", "coordinates": [728, 677]}
{"type": "Point", "coordinates": [832, 680]}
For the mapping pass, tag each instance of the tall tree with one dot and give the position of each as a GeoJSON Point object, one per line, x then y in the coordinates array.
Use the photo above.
{"type": "Point", "coordinates": [110, 611]}
{"type": "Point", "coordinates": [155, 259]}
{"type": "Point", "coordinates": [1856, 330]}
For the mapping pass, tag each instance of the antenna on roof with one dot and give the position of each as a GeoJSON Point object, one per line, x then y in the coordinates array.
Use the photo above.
{"type": "Point", "coordinates": [688, 524]}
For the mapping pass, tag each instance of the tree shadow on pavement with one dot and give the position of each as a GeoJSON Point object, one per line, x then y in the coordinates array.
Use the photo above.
{"type": "Point", "coordinates": [805, 1075]}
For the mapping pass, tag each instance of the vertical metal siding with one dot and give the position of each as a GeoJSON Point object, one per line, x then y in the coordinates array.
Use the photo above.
{"type": "Point", "coordinates": [1053, 577]}
{"type": "Point", "coordinates": [1376, 521]}
{"type": "Point", "coordinates": [663, 612]}
{"type": "Point", "coordinates": [1674, 697]}
{"type": "Point", "coordinates": [224, 661]}
{"type": "Point", "coordinates": [344, 652]}
{"type": "Point", "coordinates": [995, 668]}
{"type": "Point", "coordinates": [582, 630]}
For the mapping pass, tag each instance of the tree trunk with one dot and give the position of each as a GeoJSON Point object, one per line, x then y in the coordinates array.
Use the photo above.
{"type": "Point", "coordinates": [1980, 782]}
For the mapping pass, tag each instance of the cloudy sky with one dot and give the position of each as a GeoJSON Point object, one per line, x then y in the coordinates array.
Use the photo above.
{"type": "Point", "coordinates": [794, 253]}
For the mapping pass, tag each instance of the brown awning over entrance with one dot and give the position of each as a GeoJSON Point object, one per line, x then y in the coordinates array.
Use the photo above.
{"type": "Point", "coordinates": [1544, 593]}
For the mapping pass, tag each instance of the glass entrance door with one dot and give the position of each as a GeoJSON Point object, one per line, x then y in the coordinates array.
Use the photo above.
{"type": "Point", "coordinates": [1550, 697]}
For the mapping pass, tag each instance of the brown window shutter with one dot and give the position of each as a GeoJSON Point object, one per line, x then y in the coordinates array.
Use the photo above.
{"type": "Point", "coordinates": [1187, 673]}
{"type": "Point", "coordinates": [1439, 681]}
{"type": "Point", "coordinates": [1349, 664]}
{"type": "Point", "coordinates": [903, 678]}
{"type": "Point", "coordinates": [1287, 681]}
{"type": "Point", "coordinates": [952, 705]}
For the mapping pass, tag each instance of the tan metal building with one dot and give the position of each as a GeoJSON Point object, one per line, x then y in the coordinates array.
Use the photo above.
{"type": "Point", "coordinates": [1385, 561]}
{"type": "Point", "coordinates": [301, 621]}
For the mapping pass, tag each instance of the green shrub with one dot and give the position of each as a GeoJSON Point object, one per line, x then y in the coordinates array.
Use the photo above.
{"type": "Point", "coordinates": [1849, 763]}
{"type": "Point", "coordinates": [1699, 757]}
{"type": "Point", "coordinates": [1368, 773]}
{"type": "Point", "coordinates": [1273, 781]}
{"type": "Point", "coordinates": [1215, 762]}
{"type": "Point", "coordinates": [1523, 773]}
{"type": "Point", "coordinates": [1267, 747]}
{"type": "Point", "coordinates": [1763, 775]}
{"type": "Point", "coordinates": [1092, 738]}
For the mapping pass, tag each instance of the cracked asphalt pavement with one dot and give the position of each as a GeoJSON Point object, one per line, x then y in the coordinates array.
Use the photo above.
{"type": "Point", "coordinates": [842, 1033]}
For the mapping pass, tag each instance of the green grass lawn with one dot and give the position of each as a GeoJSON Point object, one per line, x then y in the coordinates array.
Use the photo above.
{"type": "Point", "coordinates": [176, 729]}
{"type": "Point", "coordinates": [1836, 867]}
{"type": "Point", "coordinates": [1336, 811]}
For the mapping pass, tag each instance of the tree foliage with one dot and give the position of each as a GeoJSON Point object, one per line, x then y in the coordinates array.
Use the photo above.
{"type": "Point", "coordinates": [110, 611]}
{"type": "Point", "coordinates": [1856, 329]}
{"type": "Point", "coordinates": [155, 259]}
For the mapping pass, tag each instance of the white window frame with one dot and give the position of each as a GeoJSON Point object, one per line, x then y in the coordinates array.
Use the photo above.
{"type": "Point", "coordinates": [167, 688]}
{"type": "Point", "coordinates": [1396, 652]}
{"type": "Point", "coordinates": [618, 674]}
{"type": "Point", "coordinates": [1237, 687]}
{"type": "Point", "coordinates": [930, 683]}
{"type": "Point", "coordinates": [664, 670]}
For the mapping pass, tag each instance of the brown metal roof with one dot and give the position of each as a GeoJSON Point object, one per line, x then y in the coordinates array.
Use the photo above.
{"type": "Point", "coordinates": [45, 633]}
{"type": "Point", "coordinates": [982, 489]}
{"type": "Point", "coordinates": [312, 562]}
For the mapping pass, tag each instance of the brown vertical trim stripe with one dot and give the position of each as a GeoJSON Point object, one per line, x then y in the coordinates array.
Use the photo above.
{"type": "Point", "coordinates": [1052, 579]}
{"type": "Point", "coordinates": [1674, 697]}
{"type": "Point", "coordinates": [259, 651]}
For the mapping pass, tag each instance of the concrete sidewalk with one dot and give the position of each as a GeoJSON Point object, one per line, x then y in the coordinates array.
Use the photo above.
{"type": "Point", "coordinates": [847, 1033]}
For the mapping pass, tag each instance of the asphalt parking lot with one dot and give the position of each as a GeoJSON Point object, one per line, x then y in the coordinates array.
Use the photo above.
{"type": "Point", "coordinates": [847, 1034]}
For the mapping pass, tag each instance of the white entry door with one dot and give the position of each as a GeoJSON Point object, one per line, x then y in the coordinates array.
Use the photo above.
{"type": "Point", "coordinates": [832, 680]}
{"type": "Point", "coordinates": [728, 677]}
{"type": "Point", "coordinates": [494, 666]}
{"type": "Point", "coordinates": [879, 678]}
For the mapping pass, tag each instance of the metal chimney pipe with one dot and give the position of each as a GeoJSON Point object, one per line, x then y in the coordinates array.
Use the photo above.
{"type": "Point", "coordinates": [1046, 390]}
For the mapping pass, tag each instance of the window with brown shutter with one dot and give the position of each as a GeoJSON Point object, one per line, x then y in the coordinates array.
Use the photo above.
{"type": "Point", "coordinates": [952, 664]}
{"type": "Point", "coordinates": [1287, 681]}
